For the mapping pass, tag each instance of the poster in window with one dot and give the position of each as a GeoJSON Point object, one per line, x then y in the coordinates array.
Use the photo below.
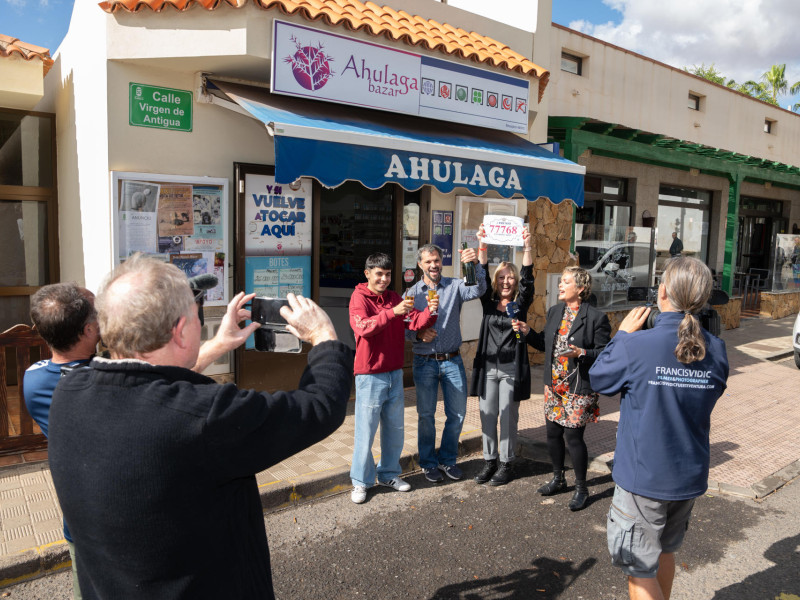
{"type": "Point", "coordinates": [278, 217]}
{"type": "Point", "coordinates": [175, 210]}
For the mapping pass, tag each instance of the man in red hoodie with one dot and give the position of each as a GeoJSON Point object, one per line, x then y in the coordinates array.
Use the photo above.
{"type": "Point", "coordinates": [378, 318]}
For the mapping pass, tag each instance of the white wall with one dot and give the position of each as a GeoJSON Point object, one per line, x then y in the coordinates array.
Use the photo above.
{"type": "Point", "coordinates": [618, 86]}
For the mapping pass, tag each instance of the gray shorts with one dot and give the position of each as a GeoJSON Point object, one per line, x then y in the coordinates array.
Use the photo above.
{"type": "Point", "coordinates": [639, 529]}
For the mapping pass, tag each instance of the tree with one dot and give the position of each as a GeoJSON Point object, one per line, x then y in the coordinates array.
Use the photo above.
{"type": "Point", "coordinates": [775, 80]}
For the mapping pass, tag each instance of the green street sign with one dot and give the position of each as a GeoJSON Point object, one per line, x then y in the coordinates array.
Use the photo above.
{"type": "Point", "coordinates": [159, 107]}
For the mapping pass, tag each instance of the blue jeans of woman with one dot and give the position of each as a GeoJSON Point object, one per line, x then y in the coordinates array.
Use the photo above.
{"type": "Point", "coordinates": [428, 375]}
{"type": "Point", "coordinates": [379, 399]}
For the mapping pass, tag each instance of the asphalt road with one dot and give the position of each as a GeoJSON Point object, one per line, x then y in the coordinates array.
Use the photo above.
{"type": "Point", "coordinates": [463, 541]}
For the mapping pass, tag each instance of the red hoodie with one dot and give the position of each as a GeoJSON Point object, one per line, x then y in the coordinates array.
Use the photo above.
{"type": "Point", "coordinates": [379, 333]}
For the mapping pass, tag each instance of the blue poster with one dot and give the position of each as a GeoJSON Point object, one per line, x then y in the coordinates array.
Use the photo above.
{"type": "Point", "coordinates": [442, 234]}
{"type": "Point", "coordinates": [276, 276]}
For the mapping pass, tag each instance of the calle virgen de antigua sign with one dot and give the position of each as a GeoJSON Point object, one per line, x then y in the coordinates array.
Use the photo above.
{"type": "Point", "coordinates": [160, 107]}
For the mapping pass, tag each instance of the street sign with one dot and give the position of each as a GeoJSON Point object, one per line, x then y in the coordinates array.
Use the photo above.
{"type": "Point", "coordinates": [159, 107]}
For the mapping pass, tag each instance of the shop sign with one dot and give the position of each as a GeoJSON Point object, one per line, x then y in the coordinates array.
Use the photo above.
{"type": "Point", "coordinates": [324, 66]}
{"type": "Point", "coordinates": [159, 107]}
{"type": "Point", "coordinates": [278, 217]}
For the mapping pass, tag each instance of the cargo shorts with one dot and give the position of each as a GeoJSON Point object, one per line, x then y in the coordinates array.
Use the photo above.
{"type": "Point", "coordinates": [639, 529]}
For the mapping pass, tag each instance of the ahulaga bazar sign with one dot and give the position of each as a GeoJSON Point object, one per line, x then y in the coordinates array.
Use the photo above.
{"type": "Point", "coordinates": [159, 107]}
{"type": "Point", "coordinates": [316, 64]}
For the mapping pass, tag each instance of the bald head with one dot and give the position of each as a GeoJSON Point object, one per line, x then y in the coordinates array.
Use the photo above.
{"type": "Point", "coordinates": [139, 305]}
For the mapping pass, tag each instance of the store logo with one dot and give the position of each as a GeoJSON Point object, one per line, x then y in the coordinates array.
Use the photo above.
{"type": "Point", "coordinates": [507, 100]}
{"type": "Point", "coordinates": [445, 89]}
{"type": "Point", "coordinates": [461, 93]}
{"type": "Point", "coordinates": [522, 105]}
{"type": "Point", "coordinates": [491, 99]}
{"type": "Point", "coordinates": [428, 87]}
{"type": "Point", "coordinates": [310, 65]}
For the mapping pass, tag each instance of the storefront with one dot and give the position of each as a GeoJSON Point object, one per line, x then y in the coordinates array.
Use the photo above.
{"type": "Point", "coordinates": [277, 149]}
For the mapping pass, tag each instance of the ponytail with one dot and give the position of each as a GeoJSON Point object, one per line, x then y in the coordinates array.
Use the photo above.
{"type": "Point", "coordinates": [688, 286]}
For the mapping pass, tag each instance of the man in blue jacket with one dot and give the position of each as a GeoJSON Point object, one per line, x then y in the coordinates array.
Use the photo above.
{"type": "Point", "coordinates": [669, 378]}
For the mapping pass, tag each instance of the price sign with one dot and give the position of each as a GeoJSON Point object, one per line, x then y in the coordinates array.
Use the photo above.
{"type": "Point", "coordinates": [502, 230]}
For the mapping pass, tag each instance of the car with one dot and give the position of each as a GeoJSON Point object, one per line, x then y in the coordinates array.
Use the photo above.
{"type": "Point", "coordinates": [796, 340]}
{"type": "Point", "coordinates": [615, 267]}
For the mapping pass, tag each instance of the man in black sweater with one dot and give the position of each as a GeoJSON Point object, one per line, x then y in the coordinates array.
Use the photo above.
{"type": "Point", "coordinates": [154, 464]}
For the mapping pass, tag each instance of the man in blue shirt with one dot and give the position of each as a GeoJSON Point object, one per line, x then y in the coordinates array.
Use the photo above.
{"type": "Point", "coordinates": [64, 316]}
{"type": "Point", "coordinates": [437, 360]}
{"type": "Point", "coordinates": [669, 378]}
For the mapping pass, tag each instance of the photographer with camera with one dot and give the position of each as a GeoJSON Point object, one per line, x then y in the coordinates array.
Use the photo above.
{"type": "Point", "coordinates": [155, 464]}
{"type": "Point", "coordinates": [669, 379]}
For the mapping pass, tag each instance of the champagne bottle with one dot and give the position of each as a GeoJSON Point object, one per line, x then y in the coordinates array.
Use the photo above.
{"type": "Point", "coordinates": [468, 270]}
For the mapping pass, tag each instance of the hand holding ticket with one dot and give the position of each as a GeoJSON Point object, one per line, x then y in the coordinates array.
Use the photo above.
{"type": "Point", "coordinates": [503, 230]}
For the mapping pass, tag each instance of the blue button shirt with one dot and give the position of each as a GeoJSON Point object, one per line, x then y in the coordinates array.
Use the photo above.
{"type": "Point", "coordinates": [452, 294]}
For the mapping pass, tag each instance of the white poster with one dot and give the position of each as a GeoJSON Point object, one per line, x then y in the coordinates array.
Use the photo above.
{"type": "Point", "coordinates": [278, 217]}
{"type": "Point", "coordinates": [503, 230]}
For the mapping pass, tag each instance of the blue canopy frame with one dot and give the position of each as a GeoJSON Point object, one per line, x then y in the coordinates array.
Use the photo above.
{"type": "Point", "coordinates": [334, 144]}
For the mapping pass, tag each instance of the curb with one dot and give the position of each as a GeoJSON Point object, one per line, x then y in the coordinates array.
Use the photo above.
{"type": "Point", "coordinates": [34, 563]}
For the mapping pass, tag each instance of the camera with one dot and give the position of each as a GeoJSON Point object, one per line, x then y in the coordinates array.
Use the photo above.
{"type": "Point", "coordinates": [272, 336]}
{"type": "Point", "coordinates": [708, 317]}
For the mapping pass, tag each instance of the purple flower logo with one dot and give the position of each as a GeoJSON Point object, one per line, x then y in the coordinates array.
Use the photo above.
{"type": "Point", "coordinates": [310, 65]}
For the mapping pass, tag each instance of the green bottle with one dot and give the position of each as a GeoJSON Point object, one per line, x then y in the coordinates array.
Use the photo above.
{"type": "Point", "coordinates": [468, 270]}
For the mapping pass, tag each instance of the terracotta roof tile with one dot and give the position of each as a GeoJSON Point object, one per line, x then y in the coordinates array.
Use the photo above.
{"type": "Point", "coordinates": [10, 45]}
{"type": "Point", "coordinates": [376, 20]}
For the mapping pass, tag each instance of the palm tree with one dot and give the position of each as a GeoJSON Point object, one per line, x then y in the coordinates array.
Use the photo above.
{"type": "Point", "coordinates": [775, 80]}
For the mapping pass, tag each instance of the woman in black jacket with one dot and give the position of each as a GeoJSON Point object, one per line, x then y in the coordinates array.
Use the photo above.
{"type": "Point", "coordinates": [574, 334]}
{"type": "Point", "coordinates": [501, 374]}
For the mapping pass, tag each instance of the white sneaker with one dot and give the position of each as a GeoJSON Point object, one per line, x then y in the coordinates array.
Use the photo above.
{"type": "Point", "coordinates": [396, 484]}
{"type": "Point", "coordinates": [359, 494]}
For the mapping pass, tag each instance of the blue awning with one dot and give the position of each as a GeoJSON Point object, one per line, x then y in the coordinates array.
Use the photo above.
{"type": "Point", "coordinates": [334, 144]}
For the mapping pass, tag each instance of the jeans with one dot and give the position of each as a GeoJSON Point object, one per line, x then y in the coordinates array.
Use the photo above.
{"type": "Point", "coordinates": [499, 402]}
{"type": "Point", "coordinates": [428, 374]}
{"type": "Point", "coordinates": [379, 399]}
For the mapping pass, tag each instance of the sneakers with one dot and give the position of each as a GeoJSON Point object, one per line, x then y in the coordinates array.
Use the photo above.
{"type": "Point", "coordinates": [452, 471]}
{"type": "Point", "coordinates": [433, 475]}
{"type": "Point", "coordinates": [359, 494]}
{"type": "Point", "coordinates": [396, 484]}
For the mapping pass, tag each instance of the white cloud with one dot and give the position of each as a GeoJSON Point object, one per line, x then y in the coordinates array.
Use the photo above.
{"type": "Point", "coordinates": [742, 38]}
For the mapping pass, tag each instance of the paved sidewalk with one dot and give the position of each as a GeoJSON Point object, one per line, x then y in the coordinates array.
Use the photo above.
{"type": "Point", "coordinates": [754, 450]}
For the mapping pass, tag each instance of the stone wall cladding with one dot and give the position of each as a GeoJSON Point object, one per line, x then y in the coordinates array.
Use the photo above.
{"type": "Point", "coordinates": [779, 304]}
{"type": "Point", "coordinates": [551, 233]}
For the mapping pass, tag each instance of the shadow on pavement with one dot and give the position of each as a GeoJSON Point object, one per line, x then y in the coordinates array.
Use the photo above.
{"type": "Point", "coordinates": [549, 578]}
{"type": "Point", "coordinates": [779, 582]}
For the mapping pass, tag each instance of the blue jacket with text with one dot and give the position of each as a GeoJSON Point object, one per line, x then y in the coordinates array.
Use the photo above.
{"type": "Point", "coordinates": [665, 409]}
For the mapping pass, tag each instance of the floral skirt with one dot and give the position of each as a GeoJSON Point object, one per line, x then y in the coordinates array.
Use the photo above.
{"type": "Point", "coordinates": [571, 410]}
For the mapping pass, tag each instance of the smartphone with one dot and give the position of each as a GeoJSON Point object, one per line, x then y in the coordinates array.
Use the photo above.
{"type": "Point", "coordinates": [272, 336]}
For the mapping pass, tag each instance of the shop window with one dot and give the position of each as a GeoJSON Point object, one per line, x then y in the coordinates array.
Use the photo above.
{"type": "Point", "coordinates": [685, 212]}
{"type": "Point", "coordinates": [354, 223]}
{"type": "Point", "coordinates": [28, 212]}
{"type": "Point", "coordinates": [571, 63]}
{"type": "Point", "coordinates": [694, 101]}
{"type": "Point", "coordinates": [605, 204]}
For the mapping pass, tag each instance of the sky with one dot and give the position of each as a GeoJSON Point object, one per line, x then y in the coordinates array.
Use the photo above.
{"type": "Point", "coordinates": [741, 38]}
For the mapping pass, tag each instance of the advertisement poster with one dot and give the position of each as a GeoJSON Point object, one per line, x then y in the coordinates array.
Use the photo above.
{"type": "Point", "coordinates": [278, 217]}
{"type": "Point", "coordinates": [206, 205]}
{"type": "Point", "coordinates": [175, 210]}
{"type": "Point", "coordinates": [443, 234]}
{"type": "Point", "coordinates": [276, 276]}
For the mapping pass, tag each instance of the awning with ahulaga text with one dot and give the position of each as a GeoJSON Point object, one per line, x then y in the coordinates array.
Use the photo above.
{"type": "Point", "coordinates": [334, 144]}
